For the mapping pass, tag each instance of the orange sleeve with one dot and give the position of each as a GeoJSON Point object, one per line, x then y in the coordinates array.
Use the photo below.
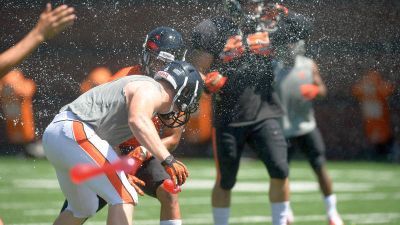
{"type": "Point", "coordinates": [85, 86]}
{"type": "Point", "coordinates": [131, 70]}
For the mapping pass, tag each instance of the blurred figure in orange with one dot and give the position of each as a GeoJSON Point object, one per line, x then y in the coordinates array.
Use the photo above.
{"type": "Point", "coordinates": [373, 93]}
{"type": "Point", "coordinates": [16, 94]}
{"type": "Point", "coordinates": [198, 129]}
{"type": "Point", "coordinates": [97, 76]}
{"type": "Point", "coordinates": [51, 23]}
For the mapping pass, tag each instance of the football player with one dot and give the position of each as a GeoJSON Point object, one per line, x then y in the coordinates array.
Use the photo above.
{"type": "Point", "coordinates": [298, 83]}
{"type": "Point", "coordinates": [233, 52]}
{"type": "Point", "coordinates": [86, 130]}
{"type": "Point", "coordinates": [161, 46]}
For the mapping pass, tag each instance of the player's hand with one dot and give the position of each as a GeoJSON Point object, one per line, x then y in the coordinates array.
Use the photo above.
{"type": "Point", "coordinates": [309, 91]}
{"type": "Point", "coordinates": [140, 153]}
{"type": "Point", "coordinates": [214, 81]}
{"type": "Point", "coordinates": [134, 181]}
{"type": "Point", "coordinates": [176, 170]}
{"type": "Point", "coordinates": [52, 22]}
{"type": "Point", "coordinates": [233, 49]}
{"type": "Point", "coordinates": [259, 43]}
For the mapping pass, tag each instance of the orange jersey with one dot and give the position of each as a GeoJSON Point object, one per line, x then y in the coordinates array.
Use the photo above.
{"type": "Point", "coordinates": [97, 76]}
{"type": "Point", "coordinates": [373, 93]}
{"type": "Point", "coordinates": [133, 70]}
{"type": "Point", "coordinates": [130, 70]}
{"type": "Point", "coordinates": [16, 94]}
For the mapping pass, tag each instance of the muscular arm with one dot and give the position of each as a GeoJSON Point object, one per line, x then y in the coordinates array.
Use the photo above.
{"type": "Point", "coordinates": [51, 23]}
{"type": "Point", "coordinates": [143, 99]}
{"type": "Point", "coordinates": [318, 81]}
{"type": "Point", "coordinates": [171, 138]}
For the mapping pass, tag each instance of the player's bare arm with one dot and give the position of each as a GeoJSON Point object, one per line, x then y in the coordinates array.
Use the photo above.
{"type": "Point", "coordinates": [171, 137]}
{"type": "Point", "coordinates": [51, 23]}
{"type": "Point", "coordinates": [143, 100]}
{"type": "Point", "coordinates": [318, 81]}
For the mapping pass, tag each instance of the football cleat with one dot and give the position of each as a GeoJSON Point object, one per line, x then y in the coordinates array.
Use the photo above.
{"type": "Point", "coordinates": [289, 217]}
{"type": "Point", "coordinates": [335, 220]}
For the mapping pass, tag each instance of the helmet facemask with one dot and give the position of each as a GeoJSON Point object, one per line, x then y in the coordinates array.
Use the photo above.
{"type": "Point", "coordinates": [185, 101]}
{"type": "Point", "coordinates": [155, 61]}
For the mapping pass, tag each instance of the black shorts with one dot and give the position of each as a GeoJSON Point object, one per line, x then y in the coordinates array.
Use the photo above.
{"type": "Point", "coordinates": [312, 145]}
{"type": "Point", "coordinates": [151, 172]}
{"type": "Point", "coordinates": [264, 137]}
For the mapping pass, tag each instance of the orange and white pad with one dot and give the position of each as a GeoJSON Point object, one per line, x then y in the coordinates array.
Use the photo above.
{"type": "Point", "coordinates": [67, 142]}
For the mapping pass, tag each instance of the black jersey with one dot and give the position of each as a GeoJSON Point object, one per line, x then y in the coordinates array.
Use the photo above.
{"type": "Point", "coordinates": [248, 95]}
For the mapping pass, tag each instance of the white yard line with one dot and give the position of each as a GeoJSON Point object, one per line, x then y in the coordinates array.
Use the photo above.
{"type": "Point", "coordinates": [52, 207]}
{"type": "Point", "coordinates": [207, 184]}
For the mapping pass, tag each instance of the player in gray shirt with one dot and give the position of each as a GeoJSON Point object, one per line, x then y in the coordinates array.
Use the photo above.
{"type": "Point", "coordinates": [298, 82]}
{"type": "Point", "coordinates": [86, 130]}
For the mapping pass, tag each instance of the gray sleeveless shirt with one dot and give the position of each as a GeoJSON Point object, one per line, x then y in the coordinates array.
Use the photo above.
{"type": "Point", "coordinates": [299, 115]}
{"type": "Point", "coordinates": [104, 108]}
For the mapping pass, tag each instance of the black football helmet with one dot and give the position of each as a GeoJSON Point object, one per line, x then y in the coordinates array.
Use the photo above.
{"type": "Point", "coordinates": [254, 18]}
{"type": "Point", "coordinates": [236, 8]}
{"type": "Point", "coordinates": [165, 44]}
{"type": "Point", "coordinates": [188, 86]}
{"type": "Point", "coordinates": [245, 17]}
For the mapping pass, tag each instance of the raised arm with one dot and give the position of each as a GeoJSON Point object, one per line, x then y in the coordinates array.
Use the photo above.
{"type": "Point", "coordinates": [51, 23]}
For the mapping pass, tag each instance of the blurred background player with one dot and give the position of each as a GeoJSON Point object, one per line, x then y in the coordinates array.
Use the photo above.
{"type": "Point", "coordinates": [16, 93]}
{"type": "Point", "coordinates": [298, 82]}
{"type": "Point", "coordinates": [162, 45]}
{"type": "Point", "coordinates": [85, 132]}
{"type": "Point", "coordinates": [233, 52]}
{"type": "Point", "coordinates": [51, 23]}
{"type": "Point", "coordinates": [97, 76]}
{"type": "Point", "coordinates": [373, 93]}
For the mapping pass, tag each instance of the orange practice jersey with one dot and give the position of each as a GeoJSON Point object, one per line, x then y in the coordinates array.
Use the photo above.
{"type": "Point", "coordinates": [97, 76]}
{"type": "Point", "coordinates": [373, 92]}
{"type": "Point", "coordinates": [16, 94]}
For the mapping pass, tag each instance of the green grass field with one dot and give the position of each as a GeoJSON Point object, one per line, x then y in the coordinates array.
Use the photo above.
{"type": "Point", "coordinates": [368, 193]}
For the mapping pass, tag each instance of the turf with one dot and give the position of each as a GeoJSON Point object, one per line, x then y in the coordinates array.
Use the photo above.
{"type": "Point", "coordinates": [368, 193]}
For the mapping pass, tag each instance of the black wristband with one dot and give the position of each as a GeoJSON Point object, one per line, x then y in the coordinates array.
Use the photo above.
{"type": "Point", "coordinates": [168, 161]}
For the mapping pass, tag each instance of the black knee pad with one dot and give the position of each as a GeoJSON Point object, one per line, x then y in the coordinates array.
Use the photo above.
{"type": "Point", "coordinates": [227, 183]}
{"type": "Point", "coordinates": [278, 170]}
{"type": "Point", "coordinates": [317, 162]}
{"type": "Point", "coordinates": [153, 174]}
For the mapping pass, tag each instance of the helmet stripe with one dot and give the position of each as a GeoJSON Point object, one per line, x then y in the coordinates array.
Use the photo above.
{"type": "Point", "coordinates": [178, 94]}
{"type": "Point", "coordinates": [195, 93]}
